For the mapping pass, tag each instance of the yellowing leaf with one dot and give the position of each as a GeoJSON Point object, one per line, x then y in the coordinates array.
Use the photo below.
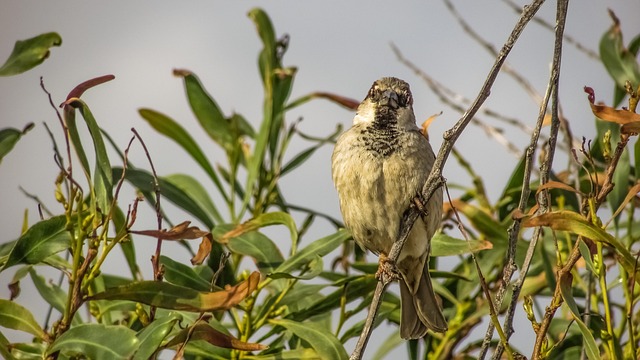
{"type": "Point", "coordinates": [179, 232]}
{"type": "Point", "coordinates": [608, 113]}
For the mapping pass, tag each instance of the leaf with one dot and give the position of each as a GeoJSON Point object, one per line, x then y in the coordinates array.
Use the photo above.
{"type": "Point", "coordinates": [263, 220]}
{"type": "Point", "coordinates": [589, 341]}
{"type": "Point", "coordinates": [152, 335]}
{"type": "Point", "coordinates": [206, 110]}
{"type": "Point", "coordinates": [204, 249]}
{"type": "Point", "coordinates": [51, 293]}
{"type": "Point", "coordinates": [323, 342]}
{"type": "Point", "coordinates": [97, 341]}
{"type": "Point", "coordinates": [445, 245]}
{"type": "Point", "coordinates": [9, 137]}
{"type": "Point", "coordinates": [179, 232]}
{"type": "Point", "coordinates": [214, 337]}
{"type": "Point", "coordinates": [143, 180]}
{"type": "Point", "coordinates": [196, 191]}
{"type": "Point", "coordinates": [102, 182]}
{"type": "Point", "coordinates": [256, 245]}
{"type": "Point", "coordinates": [15, 316]}
{"type": "Point", "coordinates": [320, 247]}
{"type": "Point", "coordinates": [29, 53]}
{"type": "Point", "coordinates": [171, 129]}
{"type": "Point", "coordinates": [343, 101]}
{"type": "Point", "coordinates": [315, 267]}
{"type": "Point", "coordinates": [295, 354]}
{"type": "Point", "coordinates": [183, 275]}
{"type": "Point", "coordinates": [43, 239]}
{"type": "Point", "coordinates": [610, 114]}
{"type": "Point", "coordinates": [169, 296]}
{"type": "Point", "coordinates": [621, 64]}
{"type": "Point", "coordinates": [576, 224]}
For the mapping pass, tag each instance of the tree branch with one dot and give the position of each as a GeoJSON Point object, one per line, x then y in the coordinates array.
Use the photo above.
{"type": "Point", "coordinates": [436, 179]}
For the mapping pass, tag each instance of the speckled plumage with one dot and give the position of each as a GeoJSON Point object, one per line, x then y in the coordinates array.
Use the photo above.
{"type": "Point", "coordinates": [379, 166]}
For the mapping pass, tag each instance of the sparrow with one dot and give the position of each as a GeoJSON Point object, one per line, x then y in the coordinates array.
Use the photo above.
{"type": "Point", "coordinates": [379, 166]}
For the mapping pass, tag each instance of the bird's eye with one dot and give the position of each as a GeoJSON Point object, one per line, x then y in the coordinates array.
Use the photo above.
{"type": "Point", "coordinates": [406, 99]}
{"type": "Point", "coordinates": [373, 93]}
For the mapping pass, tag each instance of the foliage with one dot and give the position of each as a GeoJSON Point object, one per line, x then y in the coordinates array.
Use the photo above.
{"type": "Point", "coordinates": [290, 305]}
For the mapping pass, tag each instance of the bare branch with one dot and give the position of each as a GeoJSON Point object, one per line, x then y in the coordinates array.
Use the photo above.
{"type": "Point", "coordinates": [436, 179]}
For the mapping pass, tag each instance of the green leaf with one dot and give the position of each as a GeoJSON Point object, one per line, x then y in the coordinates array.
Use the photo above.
{"type": "Point", "coordinates": [323, 342]}
{"type": "Point", "coordinates": [590, 343]}
{"type": "Point", "coordinates": [207, 111]}
{"type": "Point", "coordinates": [183, 275]}
{"type": "Point", "coordinates": [263, 220]}
{"type": "Point", "coordinates": [15, 316]}
{"type": "Point", "coordinates": [9, 137]}
{"type": "Point", "coordinates": [171, 129]}
{"type": "Point", "coordinates": [621, 64]}
{"type": "Point", "coordinates": [196, 192]}
{"type": "Point", "coordinates": [152, 335]}
{"type": "Point", "coordinates": [576, 224]}
{"type": "Point", "coordinates": [320, 247]}
{"type": "Point", "coordinates": [97, 341]}
{"type": "Point", "coordinates": [103, 181]}
{"type": "Point", "coordinates": [43, 239]}
{"type": "Point", "coordinates": [264, 252]}
{"type": "Point", "coordinates": [29, 53]}
{"type": "Point", "coordinates": [314, 269]}
{"type": "Point", "coordinates": [296, 354]}
{"type": "Point", "coordinates": [51, 293]}
{"type": "Point", "coordinates": [175, 297]}
{"type": "Point", "coordinates": [143, 180]}
{"type": "Point", "coordinates": [445, 245]}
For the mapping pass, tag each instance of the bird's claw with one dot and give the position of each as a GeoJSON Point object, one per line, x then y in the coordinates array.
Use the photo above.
{"type": "Point", "coordinates": [387, 270]}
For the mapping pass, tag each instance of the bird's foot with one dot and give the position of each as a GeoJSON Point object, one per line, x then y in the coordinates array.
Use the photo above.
{"type": "Point", "coordinates": [387, 270]}
{"type": "Point", "coordinates": [419, 203]}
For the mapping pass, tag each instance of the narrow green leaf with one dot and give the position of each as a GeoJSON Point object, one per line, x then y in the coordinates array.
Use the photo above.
{"type": "Point", "coordinates": [445, 245]}
{"type": "Point", "coordinates": [6, 347]}
{"type": "Point", "coordinates": [15, 316]}
{"type": "Point", "coordinates": [143, 180]}
{"type": "Point", "coordinates": [183, 275]}
{"type": "Point", "coordinates": [43, 239]}
{"type": "Point", "coordinates": [9, 137]}
{"type": "Point", "coordinates": [175, 297]}
{"type": "Point", "coordinates": [29, 53]}
{"type": "Point", "coordinates": [206, 110]}
{"type": "Point", "coordinates": [195, 191]}
{"type": "Point", "coordinates": [97, 341]}
{"type": "Point", "coordinates": [296, 354]}
{"type": "Point", "coordinates": [314, 269]}
{"type": "Point", "coordinates": [127, 245]}
{"type": "Point", "coordinates": [320, 247]}
{"type": "Point", "coordinates": [576, 224]}
{"type": "Point", "coordinates": [51, 293]}
{"type": "Point", "coordinates": [323, 342]}
{"type": "Point", "coordinates": [171, 129]}
{"type": "Point", "coordinates": [152, 335]}
{"type": "Point", "coordinates": [264, 252]}
{"type": "Point", "coordinates": [590, 343]}
{"type": "Point", "coordinates": [267, 35]}
{"type": "Point", "coordinates": [619, 61]}
{"type": "Point", "coordinates": [103, 181]}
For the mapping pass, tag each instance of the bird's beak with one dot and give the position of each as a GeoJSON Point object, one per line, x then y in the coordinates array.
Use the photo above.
{"type": "Point", "coordinates": [389, 98]}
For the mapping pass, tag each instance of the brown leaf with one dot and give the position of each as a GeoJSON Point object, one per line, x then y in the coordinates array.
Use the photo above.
{"type": "Point", "coordinates": [214, 337]}
{"type": "Point", "coordinates": [203, 250]}
{"type": "Point", "coordinates": [179, 232]}
{"type": "Point", "coordinates": [551, 184]}
{"type": "Point", "coordinates": [608, 113]}
{"type": "Point", "coordinates": [632, 128]}
{"type": "Point", "coordinates": [81, 88]}
{"type": "Point", "coordinates": [231, 295]}
{"type": "Point", "coordinates": [340, 100]}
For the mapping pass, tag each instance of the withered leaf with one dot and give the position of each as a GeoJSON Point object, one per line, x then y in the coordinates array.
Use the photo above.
{"type": "Point", "coordinates": [607, 113]}
{"type": "Point", "coordinates": [179, 232]}
{"type": "Point", "coordinates": [214, 337]}
{"type": "Point", "coordinates": [203, 250]}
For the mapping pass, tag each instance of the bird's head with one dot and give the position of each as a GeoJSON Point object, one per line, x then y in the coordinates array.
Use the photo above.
{"type": "Point", "coordinates": [388, 103]}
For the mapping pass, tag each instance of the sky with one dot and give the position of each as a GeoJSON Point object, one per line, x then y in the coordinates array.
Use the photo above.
{"type": "Point", "coordinates": [339, 47]}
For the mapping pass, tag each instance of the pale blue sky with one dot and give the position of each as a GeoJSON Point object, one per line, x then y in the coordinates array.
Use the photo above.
{"type": "Point", "coordinates": [341, 47]}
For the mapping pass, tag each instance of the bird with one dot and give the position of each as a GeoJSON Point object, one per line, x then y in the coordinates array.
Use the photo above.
{"type": "Point", "coordinates": [379, 167]}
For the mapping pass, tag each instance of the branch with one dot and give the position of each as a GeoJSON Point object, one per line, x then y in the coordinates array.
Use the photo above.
{"type": "Point", "coordinates": [514, 230]}
{"type": "Point", "coordinates": [435, 179]}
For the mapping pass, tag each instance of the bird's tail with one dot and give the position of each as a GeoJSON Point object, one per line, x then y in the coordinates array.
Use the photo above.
{"type": "Point", "coordinates": [420, 311]}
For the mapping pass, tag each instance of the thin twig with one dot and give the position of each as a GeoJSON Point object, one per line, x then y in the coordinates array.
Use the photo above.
{"type": "Point", "coordinates": [155, 259]}
{"type": "Point", "coordinates": [436, 179]}
{"type": "Point", "coordinates": [552, 92]}
{"type": "Point", "coordinates": [545, 24]}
